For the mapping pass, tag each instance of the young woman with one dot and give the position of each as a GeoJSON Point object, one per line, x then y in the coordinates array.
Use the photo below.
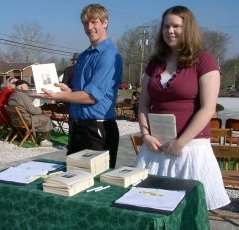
{"type": "Point", "coordinates": [183, 80]}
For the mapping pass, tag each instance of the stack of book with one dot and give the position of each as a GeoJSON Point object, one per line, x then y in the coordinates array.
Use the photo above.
{"type": "Point", "coordinates": [124, 176]}
{"type": "Point", "coordinates": [93, 161]}
{"type": "Point", "coordinates": [69, 183]}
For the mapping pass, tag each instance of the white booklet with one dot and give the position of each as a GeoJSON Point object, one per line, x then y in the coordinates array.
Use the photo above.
{"type": "Point", "coordinates": [27, 172]}
{"type": "Point", "coordinates": [45, 76]}
{"type": "Point", "coordinates": [152, 198]}
{"type": "Point", "coordinates": [163, 126]}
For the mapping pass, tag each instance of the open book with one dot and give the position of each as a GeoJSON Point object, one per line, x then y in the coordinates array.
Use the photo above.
{"type": "Point", "coordinates": [162, 126]}
{"type": "Point", "coordinates": [45, 76]}
{"type": "Point", "coordinates": [69, 183]}
{"type": "Point", "coordinates": [27, 172]}
{"type": "Point", "coordinates": [124, 176]}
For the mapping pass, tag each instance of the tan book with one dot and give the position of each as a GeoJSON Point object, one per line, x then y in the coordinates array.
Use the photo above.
{"type": "Point", "coordinates": [163, 126]}
{"type": "Point", "coordinates": [69, 183]}
{"type": "Point", "coordinates": [124, 176]}
{"type": "Point", "coordinates": [94, 161]}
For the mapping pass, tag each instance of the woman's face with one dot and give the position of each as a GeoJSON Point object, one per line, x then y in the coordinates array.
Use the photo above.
{"type": "Point", "coordinates": [172, 30]}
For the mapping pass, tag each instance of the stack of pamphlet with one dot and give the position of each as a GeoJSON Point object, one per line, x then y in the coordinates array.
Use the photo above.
{"type": "Point", "coordinates": [69, 183]}
{"type": "Point", "coordinates": [93, 161]}
{"type": "Point", "coordinates": [124, 176]}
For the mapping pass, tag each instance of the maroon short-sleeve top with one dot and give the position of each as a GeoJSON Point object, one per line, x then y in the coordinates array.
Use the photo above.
{"type": "Point", "coordinates": [180, 96]}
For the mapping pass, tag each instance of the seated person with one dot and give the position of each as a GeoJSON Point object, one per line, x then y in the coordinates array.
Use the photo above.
{"type": "Point", "coordinates": [41, 124]}
{"type": "Point", "coordinates": [6, 90]}
{"type": "Point", "coordinates": [135, 102]}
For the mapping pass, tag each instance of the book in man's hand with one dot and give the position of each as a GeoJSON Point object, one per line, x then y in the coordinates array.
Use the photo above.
{"type": "Point", "coordinates": [162, 126]}
{"type": "Point", "coordinates": [45, 76]}
{"type": "Point", "coordinates": [69, 183]}
{"type": "Point", "coordinates": [93, 161]}
{"type": "Point", "coordinates": [124, 176]}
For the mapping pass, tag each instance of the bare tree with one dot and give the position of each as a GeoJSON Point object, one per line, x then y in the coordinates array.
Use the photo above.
{"type": "Point", "coordinates": [216, 43]}
{"type": "Point", "coordinates": [28, 43]}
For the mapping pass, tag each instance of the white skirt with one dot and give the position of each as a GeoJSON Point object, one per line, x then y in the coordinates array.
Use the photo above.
{"type": "Point", "coordinates": [196, 162]}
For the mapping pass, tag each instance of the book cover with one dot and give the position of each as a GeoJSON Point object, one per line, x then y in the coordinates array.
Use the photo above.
{"type": "Point", "coordinates": [45, 76]}
{"type": "Point", "coordinates": [162, 126]}
{"type": "Point", "coordinates": [69, 183]}
{"type": "Point", "coordinates": [124, 176]}
{"type": "Point", "coordinates": [87, 158]}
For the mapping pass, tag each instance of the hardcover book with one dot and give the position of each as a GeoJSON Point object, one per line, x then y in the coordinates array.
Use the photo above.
{"type": "Point", "coordinates": [162, 126]}
{"type": "Point", "coordinates": [124, 176]}
{"type": "Point", "coordinates": [69, 183]}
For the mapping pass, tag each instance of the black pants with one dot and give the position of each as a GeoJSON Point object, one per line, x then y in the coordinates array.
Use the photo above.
{"type": "Point", "coordinates": [95, 135]}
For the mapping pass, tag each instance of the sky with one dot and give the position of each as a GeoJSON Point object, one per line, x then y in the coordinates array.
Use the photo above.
{"type": "Point", "coordinates": [61, 18]}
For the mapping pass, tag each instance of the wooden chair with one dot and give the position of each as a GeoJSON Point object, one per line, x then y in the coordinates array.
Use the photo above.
{"type": "Point", "coordinates": [7, 129]}
{"type": "Point", "coordinates": [137, 141]}
{"type": "Point", "coordinates": [228, 158]}
{"type": "Point", "coordinates": [22, 129]}
{"type": "Point", "coordinates": [233, 124]}
{"type": "Point", "coordinates": [215, 123]}
{"type": "Point", "coordinates": [221, 135]}
{"type": "Point", "coordinates": [127, 109]}
{"type": "Point", "coordinates": [60, 115]}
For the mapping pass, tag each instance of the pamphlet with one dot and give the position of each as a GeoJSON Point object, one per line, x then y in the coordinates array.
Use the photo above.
{"type": "Point", "coordinates": [45, 76]}
{"type": "Point", "coordinates": [153, 198]}
{"type": "Point", "coordinates": [163, 126]}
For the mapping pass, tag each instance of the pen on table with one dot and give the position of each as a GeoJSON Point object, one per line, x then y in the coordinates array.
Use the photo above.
{"type": "Point", "coordinates": [99, 189]}
{"type": "Point", "coordinates": [93, 189]}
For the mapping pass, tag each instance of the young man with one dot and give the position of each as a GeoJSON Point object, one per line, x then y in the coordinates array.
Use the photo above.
{"type": "Point", "coordinates": [41, 123]}
{"type": "Point", "coordinates": [94, 89]}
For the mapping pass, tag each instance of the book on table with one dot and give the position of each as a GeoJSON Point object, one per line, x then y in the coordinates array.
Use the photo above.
{"type": "Point", "coordinates": [151, 198]}
{"type": "Point", "coordinates": [93, 161]}
{"type": "Point", "coordinates": [45, 76]}
{"type": "Point", "coordinates": [69, 183]}
{"type": "Point", "coordinates": [124, 176]}
{"type": "Point", "coordinates": [162, 126]}
{"type": "Point", "coordinates": [28, 172]}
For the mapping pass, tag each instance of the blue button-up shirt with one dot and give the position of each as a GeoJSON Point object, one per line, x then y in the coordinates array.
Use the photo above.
{"type": "Point", "coordinates": [98, 73]}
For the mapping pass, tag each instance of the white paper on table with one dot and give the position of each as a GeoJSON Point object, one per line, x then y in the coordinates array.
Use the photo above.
{"type": "Point", "coordinates": [152, 198]}
{"type": "Point", "coordinates": [21, 175]}
{"type": "Point", "coordinates": [49, 167]}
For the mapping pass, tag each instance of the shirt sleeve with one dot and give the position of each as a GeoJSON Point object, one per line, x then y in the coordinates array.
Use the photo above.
{"type": "Point", "coordinates": [206, 63]}
{"type": "Point", "coordinates": [105, 76]}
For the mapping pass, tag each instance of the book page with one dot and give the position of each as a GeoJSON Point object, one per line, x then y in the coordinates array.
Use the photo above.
{"type": "Point", "coordinates": [152, 198]}
{"type": "Point", "coordinates": [162, 126]}
{"type": "Point", "coordinates": [45, 76]}
{"type": "Point", "coordinates": [21, 175]}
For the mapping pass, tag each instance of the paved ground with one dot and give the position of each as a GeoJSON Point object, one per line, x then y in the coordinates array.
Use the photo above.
{"type": "Point", "coordinates": [126, 156]}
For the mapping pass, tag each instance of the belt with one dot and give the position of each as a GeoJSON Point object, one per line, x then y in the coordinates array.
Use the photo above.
{"type": "Point", "coordinates": [88, 122]}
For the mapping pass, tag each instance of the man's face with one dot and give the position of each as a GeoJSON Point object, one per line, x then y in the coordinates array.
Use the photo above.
{"type": "Point", "coordinates": [23, 87]}
{"type": "Point", "coordinates": [96, 30]}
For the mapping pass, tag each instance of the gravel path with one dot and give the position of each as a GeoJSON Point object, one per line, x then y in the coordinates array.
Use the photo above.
{"type": "Point", "coordinates": [10, 152]}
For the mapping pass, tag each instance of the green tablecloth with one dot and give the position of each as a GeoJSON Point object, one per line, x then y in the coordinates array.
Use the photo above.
{"type": "Point", "coordinates": [28, 207]}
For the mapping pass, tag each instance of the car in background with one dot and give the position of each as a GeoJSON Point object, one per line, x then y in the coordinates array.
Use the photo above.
{"type": "Point", "coordinates": [124, 85]}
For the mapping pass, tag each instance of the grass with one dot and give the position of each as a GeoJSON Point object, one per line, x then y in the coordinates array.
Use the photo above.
{"type": "Point", "coordinates": [57, 138]}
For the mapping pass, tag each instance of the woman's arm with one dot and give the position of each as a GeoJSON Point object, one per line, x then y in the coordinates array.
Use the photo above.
{"type": "Point", "coordinates": [209, 85]}
{"type": "Point", "coordinates": [144, 107]}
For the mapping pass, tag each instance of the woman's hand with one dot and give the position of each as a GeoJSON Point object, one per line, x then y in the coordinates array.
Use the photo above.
{"type": "Point", "coordinates": [172, 147]}
{"type": "Point", "coordinates": [152, 143]}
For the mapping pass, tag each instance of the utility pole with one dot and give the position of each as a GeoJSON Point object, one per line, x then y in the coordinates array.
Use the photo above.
{"type": "Point", "coordinates": [143, 34]}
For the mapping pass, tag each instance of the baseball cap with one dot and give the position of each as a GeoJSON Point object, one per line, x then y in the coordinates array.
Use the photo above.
{"type": "Point", "coordinates": [21, 82]}
{"type": "Point", "coordinates": [75, 56]}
